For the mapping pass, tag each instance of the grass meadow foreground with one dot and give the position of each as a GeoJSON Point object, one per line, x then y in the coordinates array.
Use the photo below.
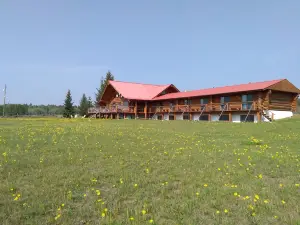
{"type": "Point", "coordinates": [81, 171]}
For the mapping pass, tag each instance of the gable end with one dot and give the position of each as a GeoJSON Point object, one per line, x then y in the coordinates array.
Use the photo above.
{"type": "Point", "coordinates": [284, 86]}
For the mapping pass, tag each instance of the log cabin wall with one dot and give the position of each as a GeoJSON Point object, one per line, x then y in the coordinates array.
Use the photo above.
{"type": "Point", "coordinates": [281, 101]}
{"type": "Point", "coordinates": [117, 101]}
{"type": "Point", "coordinates": [109, 95]}
{"type": "Point", "coordinates": [295, 103]}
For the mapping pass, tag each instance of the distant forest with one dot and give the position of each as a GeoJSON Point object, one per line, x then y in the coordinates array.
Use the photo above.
{"type": "Point", "coordinates": [68, 109]}
{"type": "Point", "coordinates": [29, 109]}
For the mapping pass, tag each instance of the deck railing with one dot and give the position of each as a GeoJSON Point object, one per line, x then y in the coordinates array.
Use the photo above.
{"type": "Point", "coordinates": [228, 106]}
{"type": "Point", "coordinates": [112, 109]}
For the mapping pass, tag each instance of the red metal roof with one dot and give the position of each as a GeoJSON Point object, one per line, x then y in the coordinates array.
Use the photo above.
{"type": "Point", "coordinates": [220, 90]}
{"type": "Point", "coordinates": [138, 91]}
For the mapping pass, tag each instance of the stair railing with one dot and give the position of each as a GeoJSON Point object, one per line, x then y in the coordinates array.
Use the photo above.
{"type": "Point", "coordinates": [225, 106]}
{"type": "Point", "coordinates": [248, 112]}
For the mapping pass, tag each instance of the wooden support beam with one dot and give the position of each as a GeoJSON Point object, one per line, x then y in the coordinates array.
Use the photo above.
{"type": "Point", "coordinates": [230, 117]}
{"type": "Point", "coordinates": [259, 100]}
{"type": "Point", "coordinates": [209, 117]}
{"type": "Point", "coordinates": [135, 110]}
{"type": "Point", "coordinates": [267, 99]}
{"type": "Point", "coordinates": [117, 115]}
{"type": "Point", "coordinates": [191, 116]}
{"type": "Point", "coordinates": [258, 115]}
{"type": "Point", "coordinates": [146, 109]}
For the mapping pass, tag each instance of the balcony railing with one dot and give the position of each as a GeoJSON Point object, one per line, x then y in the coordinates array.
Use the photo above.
{"type": "Point", "coordinates": [112, 109]}
{"type": "Point", "coordinates": [229, 106]}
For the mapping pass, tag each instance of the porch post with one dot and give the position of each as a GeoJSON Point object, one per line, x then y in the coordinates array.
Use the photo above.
{"type": "Point", "coordinates": [146, 109]}
{"type": "Point", "coordinates": [258, 116]}
{"type": "Point", "coordinates": [230, 117]}
{"type": "Point", "coordinates": [135, 110]}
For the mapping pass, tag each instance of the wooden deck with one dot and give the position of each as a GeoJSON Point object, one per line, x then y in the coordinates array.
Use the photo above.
{"type": "Point", "coordinates": [205, 108]}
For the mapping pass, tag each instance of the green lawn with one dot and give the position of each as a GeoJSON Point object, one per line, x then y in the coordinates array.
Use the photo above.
{"type": "Point", "coordinates": [81, 171]}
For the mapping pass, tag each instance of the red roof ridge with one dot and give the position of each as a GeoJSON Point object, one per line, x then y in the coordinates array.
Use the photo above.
{"type": "Point", "coordinates": [261, 85]}
{"type": "Point", "coordinates": [233, 85]}
{"type": "Point", "coordinates": [139, 83]}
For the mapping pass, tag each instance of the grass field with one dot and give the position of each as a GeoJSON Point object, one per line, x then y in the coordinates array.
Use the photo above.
{"type": "Point", "coordinates": [57, 171]}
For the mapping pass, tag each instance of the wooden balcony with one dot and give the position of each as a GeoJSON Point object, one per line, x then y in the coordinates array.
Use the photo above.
{"type": "Point", "coordinates": [112, 109]}
{"type": "Point", "coordinates": [211, 107]}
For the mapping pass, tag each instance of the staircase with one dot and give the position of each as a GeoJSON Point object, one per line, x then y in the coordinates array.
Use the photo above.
{"type": "Point", "coordinates": [266, 116]}
{"type": "Point", "coordinates": [93, 116]}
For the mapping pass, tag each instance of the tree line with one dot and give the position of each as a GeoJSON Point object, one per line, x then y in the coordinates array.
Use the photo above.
{"type": "Point", "coordinates": [68, 109]}
{"type": "Point", "coordinates": [29, 109]}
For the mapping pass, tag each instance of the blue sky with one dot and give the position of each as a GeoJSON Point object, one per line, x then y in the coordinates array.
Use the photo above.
{"type": "Point", "coordinates": [49, 46]}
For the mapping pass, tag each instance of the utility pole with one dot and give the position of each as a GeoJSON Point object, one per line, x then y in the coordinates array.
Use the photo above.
{"type": "Point", "coordinates": [4, 99]}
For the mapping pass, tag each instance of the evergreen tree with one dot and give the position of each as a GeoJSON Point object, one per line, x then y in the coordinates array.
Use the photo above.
{"type": "Point", "coordinates": [83, 105]}
{"type": "Point", "coordinates": [90, 102]}
{"type": "Point", "coordinates": [68, 106]}
{"type": "Point", "coordinates": [99, 92]}
{"type": "Point", "coordinates": [103, 83]}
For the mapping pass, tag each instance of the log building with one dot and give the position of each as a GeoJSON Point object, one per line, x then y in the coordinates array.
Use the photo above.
{"type": "Point", "coordinates": [252, 102]}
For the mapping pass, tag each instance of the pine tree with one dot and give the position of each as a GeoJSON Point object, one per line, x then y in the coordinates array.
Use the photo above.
{"type": "Point", "coordinates": [103, 83]}
{"type": "Point", "coordinates": [83, 105]}
{"type": "Point", "coordinates": [68, 106]}
{"type": "Point", "coordinates": [90, 102]}
{"type": "Point", "coordinates": [99, 92]}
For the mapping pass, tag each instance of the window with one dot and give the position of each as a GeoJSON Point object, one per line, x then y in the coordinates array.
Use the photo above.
{"type": "Point", "coordinates": [186, 117]}
{"type": "Point", "coordinates": [204, 117]}
{"type": "Point", "coordinates": [224, 100]}
{"type": "Point", "coordinates": [171, 117]}
{"type": "Point", "coordinates": [187, 101]}
{"type": "Point", "coordinates": [125, 103]}
{"type": "Point", "coordinates": [224, 118]}
{"type": "Point", "coordinates": [203, 102]}
{"type": "Point", "coordinates": [250, 118]}
{"type": "Point", "coordinates": [246, 102]}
